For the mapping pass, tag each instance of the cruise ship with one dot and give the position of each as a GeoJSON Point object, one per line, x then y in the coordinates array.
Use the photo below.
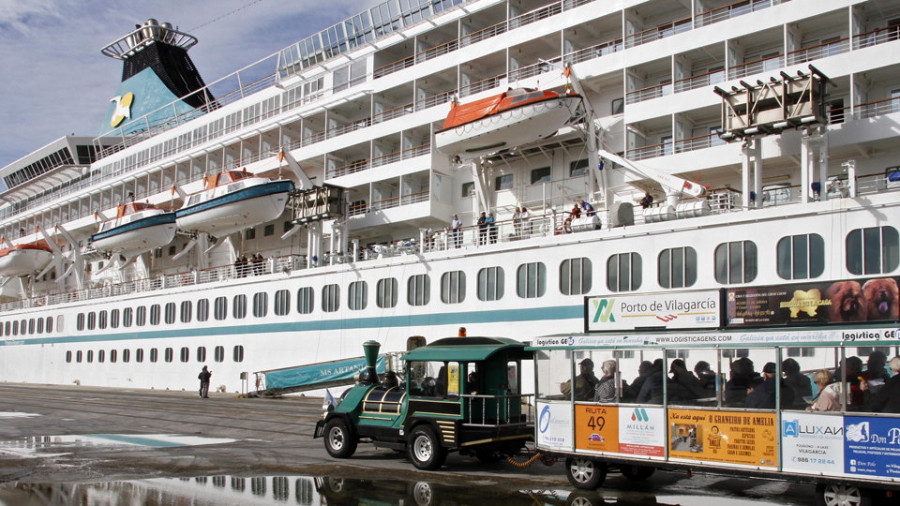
{"type": "Point", "coordinates": [330, 194]}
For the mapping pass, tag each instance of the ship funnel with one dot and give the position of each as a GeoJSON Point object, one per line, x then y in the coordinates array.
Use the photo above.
{"type": "Point", "coordinates": [370, 375]}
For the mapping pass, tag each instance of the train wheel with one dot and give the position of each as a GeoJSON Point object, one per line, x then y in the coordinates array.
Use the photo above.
{"type": "Point", "coordinates": [586, 474]}
{"type": "Point", "coordinates": [425, 449]}
{"type": "Point", "coordinates": [637, 473]}
{"type": "Point", "coordinates": [340, 442]}
{"type": "Point", "coordinates": [841, 495]}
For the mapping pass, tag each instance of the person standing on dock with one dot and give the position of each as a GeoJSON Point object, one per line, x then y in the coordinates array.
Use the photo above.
{"type": "Point", "coordinates": [204, 376]}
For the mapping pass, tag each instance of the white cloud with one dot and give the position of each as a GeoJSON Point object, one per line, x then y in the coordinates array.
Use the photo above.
{"type": "Point", "coordinates": [56, 82]}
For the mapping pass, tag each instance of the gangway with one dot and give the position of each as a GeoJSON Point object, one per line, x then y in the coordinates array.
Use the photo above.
{"type": "Point", "coordinates": [317, 376]}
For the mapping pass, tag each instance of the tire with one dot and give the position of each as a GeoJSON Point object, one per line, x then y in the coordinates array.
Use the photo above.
{"type": "Point", "coordinates": [584, 473]}
{"type": "Point", "coordinates": [340, 441]}
{"type": "Point", "coordinates": [637, 473]}
{"type": "Point", "coordinates": [425, 450]}
{"type": "Point", "coordinates": [422, 494]}
{"type": "Point", "coordinates": [578, 498]}
{"type": "Point", "coordinates": [833, 494]}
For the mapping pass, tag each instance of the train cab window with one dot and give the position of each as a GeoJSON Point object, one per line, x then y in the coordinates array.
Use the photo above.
{"type": "Point", "coordinates": [126, 355]}
{"type": "Point", "coordinates": [386, 292]}
{"type": "Point", "coordinates": [453, 287]}
{"type": "Point", "coordinates": [260, 304]}
{"type": "Point", "coordinates": [238, 354]}
{"type": "Point", "coordinates": [282, 302]}
{"type": "Point", "coordinates": [531, 280]}
{"type": "Point", "coordinates": [220, 309]}
{"type": "Point", "coordinates": [140, 316]}
{"type": "Point", "coordinates": [170, 313]}
{"type": "Point", "coordinates": [185, 354]}
{"type": "Point", "coordinates": [69, 356]}
{"type": "Point", "coordinates": [127, 316]}
{"type": "Point", "coordinates": [800, 256]}
{"type": "Point", "coordinates": [358, 295]}
{"type": "Point", "coordinates": [624, 272]}
{"type": "Point", "coordinates": [874, 250]}
{"type": "Point", "coordinates": [202, 310]}
{"type": "Point", "coordinates": [169, 354]}
{"type": "Point", "coordinates": [305, 300]}
{"type": "Point", "coordinates": [434, 379]}
{"type": "Point", "coordinates": [102, 319]}
{"type": "Point", "coordinates": [114, 319]}
{"type": "Point", "coordinates": [239, 306]}
{"type": "Point", "coordinates": [78, 356]}
{"type": "Point", "coordinates": [219, 354]}
{"type": "Point", "coordinates": [418, 290]}
{"type": "Point", "coordinates": [186, 311]}
{"type": "Point", "coordinates": [677, 267]}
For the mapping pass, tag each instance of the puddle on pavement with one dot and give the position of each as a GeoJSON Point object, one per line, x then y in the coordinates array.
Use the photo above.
{"type": "Point", "coordinates": [17, 414]}
{"type": "Point", "coordinates": [48, 446]}
{"type": "Point", "coordinates": [315, 491]}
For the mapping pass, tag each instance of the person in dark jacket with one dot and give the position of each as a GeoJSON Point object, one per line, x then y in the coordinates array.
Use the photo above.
{"type": "Point", "coordinates": [799, 383]}
{"type": "Point", "coordinates": [887, 399]}
{"type": "Point", "coordinates": [652, 389]}
{"type": "Point", "coordinates": [762, 396]}
{"type": "Point", "coordinates": [630, 392]}
{"type": "Point", "coordinates": [204, 376]}
{"type": "Point", "coordinates": [742, 378]}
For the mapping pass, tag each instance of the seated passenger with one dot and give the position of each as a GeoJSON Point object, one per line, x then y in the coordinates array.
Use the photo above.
{"type": "Point", "coordinates": [605, 391]}
{"type": "Point", "coordinates": [630, 392]}
{"type": "Point", "coordinates": [706, 375]}
{"type": "Point", "coordinates": [762, 396]}
{"type": "Point", "coordinates": [683, 386]}
{"type": "Point", "coordinates": [797, 382]}
{"type": "Point", "coordinates": [856, 400]}
{"type": "Point", "coordinates": [585, 382]}
{"type": "Point", "coordinates": [742, 377]}
{"type": "Point", "coordinates": [875, 367]}
{"type": "Point", "coordinates": [652, 389]}
{"type": "Point", "coordinates": [829, 397]}
{"type": "Point", "coordinates": [887, 400]}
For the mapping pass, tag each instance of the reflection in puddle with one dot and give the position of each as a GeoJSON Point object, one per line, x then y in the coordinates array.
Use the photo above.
{"type": "Point", "coordinates": [48, 446]}
{"type": "Point", "coordinates": [17, 414]}
{"type": "Point", "coordinates": [303, 491]}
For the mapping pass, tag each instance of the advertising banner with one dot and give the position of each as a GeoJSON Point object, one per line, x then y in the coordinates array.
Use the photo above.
{"type": "Point", "coordinates": [642, 431]}
{"type": "Point", "coordinates": [724, 436]}
{"type": "Point", "coordinates": [665, 310]}
{"type": "Point", "coordinates": [554, 426]}
{"type": "Point", "coordinates": [872, 446]}
{"type": "Point", "coordinates": [812, 443]}
{"type": "Point", "coordinates": [859, 300]}
{"type": "Point", "coordinates": [597, 428]}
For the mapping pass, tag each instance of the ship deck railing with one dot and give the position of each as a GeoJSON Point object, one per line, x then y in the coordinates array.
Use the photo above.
{"type": "Point", "coordinates": [549, 223]}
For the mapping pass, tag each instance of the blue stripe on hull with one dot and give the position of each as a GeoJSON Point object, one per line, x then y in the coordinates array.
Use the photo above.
{"type": "Point", "coordinates": [253, 192]}
{"type": "Point", "coordinates": [506, 315]}
{"type": "Point", "coordinates": [151, 221]}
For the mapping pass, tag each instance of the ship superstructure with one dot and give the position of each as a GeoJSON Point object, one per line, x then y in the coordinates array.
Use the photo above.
{"type": "Point", "coordinates": [366, 247]}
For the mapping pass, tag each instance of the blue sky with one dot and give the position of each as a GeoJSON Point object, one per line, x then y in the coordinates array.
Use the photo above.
{"type": "Point", "coordinates": [55, 81]}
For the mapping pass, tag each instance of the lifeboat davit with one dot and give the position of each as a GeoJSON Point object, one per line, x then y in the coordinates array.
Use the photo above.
{"type": "Point", "coordinates": [504, 121]}
{"type": "Point", "coordinates": [23, 259]}
{"type": "Point", "coordinates": [232, 201]}
{"type": "Point", "coordinates": [137, 227]}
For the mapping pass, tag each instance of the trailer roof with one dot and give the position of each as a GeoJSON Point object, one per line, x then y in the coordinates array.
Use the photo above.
{"type": "Point", "coordinates": [468, 349]}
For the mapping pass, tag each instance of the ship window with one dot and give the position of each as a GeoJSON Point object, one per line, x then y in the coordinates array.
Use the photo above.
{"type": "Point", "coordinates": [139, 355]}
{"type": "Point", "coordinates": [735, 262]}
{"type": "Point", "coordinates": [69, 356]}
{"type": "Point", "coordinates": [155, 313]}
{"type": "Point", "coordinates": [91, 321]}
{"type": "Point", "coordinates": [260, 304]}
{"type": "Point", "coordinates": [238, 483]}
{"type": "Point", "coordinates": [169, 354]}
{"type": "Point", "coordinates": [305, 300]}
{"type": "Point", "coordinates": [453, 287]}
{"type": "Point", "coordinates": [170, 312]}
{"type": "Point", "coordinates": [624, 272]}
{"type": "Point", "coordinates": [101, 356]}
{"type": "Point", "coordinates": [874, 250]}
{"type": "Point", "coordinates": [282, 302]}
{"type": "Point", "coordinates": [78, 356]}
{"type": "Point", "coordinates": [617, 106]}
{"type": "Point", "coordinates": [531, 280]}
{"type": "Point", "coordinates": [269, 230]}
{"type": "Point", "coordinates": [202, 310]}
{"type": "Point", "coordinates": [50, 323]}
{"type": "Point", "coordinates": [250, 233]}
{"type": "Point", "coordinates": [103, 319]}
{"type": "Point", "coordinates": [801, 256]}
{"type": "Point", "coordinates": [578, 167]}
{"type": "Point", "coordinates": [114, 318]}
{"type": "Point", "coordinates": [140, 316]}
{"type": "Point", "coordinates": [126, 355]}
{"type": "Point", "coordinates": [79, 323]}
{"type": "Point", "coordinates": [540, 175]}
{"type": "Point", "coordinates": [23, 327]}
{"type": "Point", "coordinates": [40, 325]}
{"type": "Point", "coordinates": [186, 311]}
{"type": "Point", "coordinates": [504, 182]}
{"type": "Point", "coordinates": [418, 290]}
{"type": "Point", "coordinates": [358, 295]}
{"type": "Point", "coordinates": [575, 276]}
{"type": "Point", "coordinates": [331, 298]}
{"type": "Point", "coordinates": [1, 330]}
{"type": "Point", "coordinates": [219, 354]}
{"type": "Point", "coordinates": [185, 354]}
{"type": "Point", "coordinates": [80, 327]}
{"type": "Point", "coordinates": [238, 353]}
{"type": "Point", "coordinates": [113, 356]}
{"type": "Point", "coordinates": [677, 267]}
{"type": "Point", "coordinates": [154, 354]}
{"type": "Point", "coordinates": [287, 226]}
{"type": "Point", "coordinates": [15, 328]}
{"type": "Point", "coordinates": [31, 326]}
{"type": "Point", "coordinates": [220, 311]}
{"type": "Point", "coordinates": [89, 356]}
{"type": "Point", "coordinates": [468, 189]}
{"type": "Point", "coordinates": [239, 306]}
{"type": "Point", "coordinates": [386, 292]}
{"type": "Point", "coordinates": [201, 354]}
{"type": "Point", "coordinates": [127, 316]}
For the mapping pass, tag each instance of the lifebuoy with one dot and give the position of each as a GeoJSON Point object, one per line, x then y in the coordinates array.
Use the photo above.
{"type": "Point", "coordinates": [567, 225]}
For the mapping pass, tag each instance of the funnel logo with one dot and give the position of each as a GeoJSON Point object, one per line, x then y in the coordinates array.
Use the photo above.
{"type": "Point", "coordinates": [603, 310]}
{"type": "Point", "coordinates": [123, 108]}
{"type": "Point", "coordinates": [640, 415]}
